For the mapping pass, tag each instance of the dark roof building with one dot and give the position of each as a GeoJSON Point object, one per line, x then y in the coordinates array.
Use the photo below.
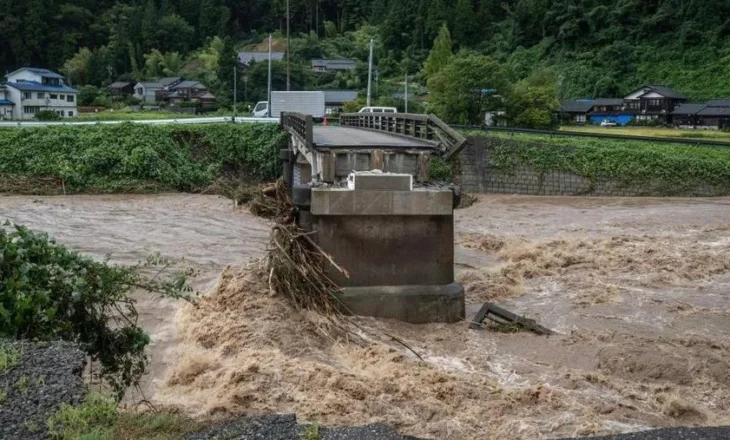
{"type": "Point", "coordinates": [333, 65]}
{"type": "Point", "coordinates": [246, 58]}
{"type": "Point", "coordinates": [688, 109]}
{"type": "Point", "coordinates": [576, 106]}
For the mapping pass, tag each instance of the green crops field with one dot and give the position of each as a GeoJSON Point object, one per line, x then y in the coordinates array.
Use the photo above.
{"type": "Point", "coordinates": [136, 158]}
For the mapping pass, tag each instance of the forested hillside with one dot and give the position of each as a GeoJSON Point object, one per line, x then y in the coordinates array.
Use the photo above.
{"type": "Point", "coordinates": [594, 47]}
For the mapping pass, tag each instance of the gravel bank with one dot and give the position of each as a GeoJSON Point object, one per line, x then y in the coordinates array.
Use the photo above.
{"type": "Point", "coordinates": [43, 376]}
{"type": "Point", "coordinates": [286, 427]}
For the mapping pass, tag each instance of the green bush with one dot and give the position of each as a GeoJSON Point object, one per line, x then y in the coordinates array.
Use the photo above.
{"type": "Point", "coordinates": [47, 115]}
{"type": "Point", "coordinates": [135, 157]}
{"type": "Point", "coordinates": [48, 292]}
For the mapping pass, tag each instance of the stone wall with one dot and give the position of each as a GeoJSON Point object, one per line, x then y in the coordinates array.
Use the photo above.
{"type": "Point", "coordinates": [477, 175]}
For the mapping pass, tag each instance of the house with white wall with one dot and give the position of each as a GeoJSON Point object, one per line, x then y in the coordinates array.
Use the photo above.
{"type": "Point", "coordinates": [30, 90]}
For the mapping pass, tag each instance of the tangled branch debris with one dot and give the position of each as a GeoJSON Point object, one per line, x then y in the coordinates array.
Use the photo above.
{"type": "Point", "coordinates": [296, 265]}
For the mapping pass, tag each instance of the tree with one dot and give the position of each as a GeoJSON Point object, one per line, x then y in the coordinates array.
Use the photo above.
{"type": "Point", "coordinates": [440, 54]}
{"type": "Point", "coordinates": [464, 23]}
{"type": "Point", "coordinates": [174, 34]}
{"type": "Point", "coordinates": [76, 69]}
{"type": "Point", "coordinates": [227, 62]}
{"type": "Point", "coordinates": [158, 64]}
{"type": "Point", "coordinates": [533, 101]}
{"type": "Point", "coordinates": [468, 86]}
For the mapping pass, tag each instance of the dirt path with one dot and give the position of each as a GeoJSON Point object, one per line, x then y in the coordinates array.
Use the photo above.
{"type": "Point", "coordinates": [638, 289]}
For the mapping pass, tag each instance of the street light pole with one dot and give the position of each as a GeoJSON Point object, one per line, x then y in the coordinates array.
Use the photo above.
{"type": "Point", "coordinates": [268, 112]}
{"type": "Point", "coordinates": [288, 49]}
{"type": "Point", "coordinates": [370, 72]}
{"type": "Point", "coordinates": [235, 93]}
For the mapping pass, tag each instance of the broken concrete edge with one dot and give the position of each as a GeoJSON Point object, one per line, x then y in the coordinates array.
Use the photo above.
{"type": "Point", "coordinates": [412, 304]}
{"type": "Point", "coordinates": [493, 311]}
{"type": "Point", "coordinates": [332, 201]}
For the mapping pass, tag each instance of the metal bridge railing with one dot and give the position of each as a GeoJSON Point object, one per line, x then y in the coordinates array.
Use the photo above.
{"type": "Point", "coordinates": [426, 127]}
{"type": "Point", "coordinates": [299, 125]}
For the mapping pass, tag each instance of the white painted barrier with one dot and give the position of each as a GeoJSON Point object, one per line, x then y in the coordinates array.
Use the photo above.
{"type": "Point", "coordinates": [216, 120]}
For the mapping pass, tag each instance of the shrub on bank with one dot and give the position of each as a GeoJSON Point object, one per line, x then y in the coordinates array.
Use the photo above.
{"type": "Point", "coordinates": [48, 292]}
{"type": "Point", "coordinates": [135, 157]}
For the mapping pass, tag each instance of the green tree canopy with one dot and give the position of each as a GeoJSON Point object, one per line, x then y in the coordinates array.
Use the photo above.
{"type": "Point", "coordinates": [533, 101]}
{"type": "Point", "coordinates": [467, 87]}
{"type": "Point", "coordinates": [440, 54]}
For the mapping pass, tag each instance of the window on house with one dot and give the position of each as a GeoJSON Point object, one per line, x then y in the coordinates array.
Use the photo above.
{"type": "Point", "coordinates": [41, 95]}
{"type": "Point", "coordinates": [27, 95]}
{"type": "Point", "coordinates": [31, 109]}
{"type": "Point", "coordinates": [140, 91]}
{"type": "Point", "coordinates": [54, 96]}
{"type": "Point", "coordinates": [70, 98]}
{"type": "Point", "coordinates": [580, 118]}
{"type": "Point", "coordinates": [70, 114]}
{"type": "Point", "coordinates": [61, 97]}
{"type": "Point", "coordinates": [655, 102]}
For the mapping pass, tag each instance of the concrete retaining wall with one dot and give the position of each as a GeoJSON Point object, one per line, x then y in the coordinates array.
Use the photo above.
{"type": "Point", "coordinates": [479, 176]}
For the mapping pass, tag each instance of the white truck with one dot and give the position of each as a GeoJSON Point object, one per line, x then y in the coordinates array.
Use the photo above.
{"type": "Point", "coordinates": [308, 103]}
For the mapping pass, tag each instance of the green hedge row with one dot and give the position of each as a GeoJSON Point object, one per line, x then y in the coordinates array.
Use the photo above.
{"type": "Point", "coordinates": [134, 157]}
{"type": "Point", "coordinates": [676, 166]}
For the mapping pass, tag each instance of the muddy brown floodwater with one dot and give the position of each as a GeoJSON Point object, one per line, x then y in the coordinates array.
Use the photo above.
{"type": "Point", "coordinates": [638, 291]}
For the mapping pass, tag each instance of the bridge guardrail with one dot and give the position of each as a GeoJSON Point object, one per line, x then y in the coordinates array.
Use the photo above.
{"type": "Point", "coordinates": [427, 127]}
{"type": "Point", "coordinates": [300, 125]}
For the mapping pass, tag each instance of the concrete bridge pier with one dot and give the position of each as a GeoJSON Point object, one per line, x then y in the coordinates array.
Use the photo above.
{"type": "Point", "coordinates": [397, 245]}
{"type": "Point", "coordinates": [362, 189]}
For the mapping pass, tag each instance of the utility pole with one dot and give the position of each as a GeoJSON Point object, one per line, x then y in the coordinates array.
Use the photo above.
{"type": "Point", "coordinates": [288, 50]}
{"type": "Point", "coordinates": [268, 112]}
{"type": "Point", "coordinates": [235, 92]}
{"type": "Point", "coordinates": [370, 72]}
{"type": "Point", "coordinates": [406, 93]}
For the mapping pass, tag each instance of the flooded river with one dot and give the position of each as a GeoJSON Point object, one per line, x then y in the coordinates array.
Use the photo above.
{"type": "Point", "coordinates": [637, 289]}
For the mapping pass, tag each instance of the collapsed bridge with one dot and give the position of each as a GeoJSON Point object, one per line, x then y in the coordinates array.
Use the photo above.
{"type": "Point", "coordinates": [363, 189]}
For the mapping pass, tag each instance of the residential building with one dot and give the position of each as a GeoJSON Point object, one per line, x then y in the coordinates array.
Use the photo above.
{"type": "Point", "coordinates": [644, 104]}
{"type": "Point", "coordinates": [333, 65]}
{"type": "Point", "coordinates": [30, 90]}
{"type": "Point", "coordinates": [6, 105]}
{"type": "Point", "coordinates": [685, 116]}
{"type": "Point", "coordinates": [653, 102]}
{"type": "Point", "coordinates": [576, 110]}
{"type": "Point", "coordinates": [120, 89]}
{"type": "Point", "coordinates": [334, 100]}
{"type": "Point", "coordinates": [146, 92]}
{"type": "Point", "coordinates": [191, 91]}
{"type": "Point", "coordinates": [246, 58]}
{"type": "Point", "coordinates": [152, 92]}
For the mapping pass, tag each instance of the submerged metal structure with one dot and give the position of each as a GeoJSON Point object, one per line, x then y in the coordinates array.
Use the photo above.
{"type": "Point", "coordinates": [363, 189]}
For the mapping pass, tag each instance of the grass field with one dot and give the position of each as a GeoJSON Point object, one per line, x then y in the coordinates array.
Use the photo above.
{"type": "Point", "coordinates": [652, 131]}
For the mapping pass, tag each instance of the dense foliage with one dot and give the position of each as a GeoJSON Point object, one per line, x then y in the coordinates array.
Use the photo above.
{"type": "Point", "coordinates": [138, 157]}
{"type": "Point", "coordinates": [675, 168]}
{"type": "Point", "coordinates": [48, 292]}
{"type": "Point", "coordinates": [595, 47]}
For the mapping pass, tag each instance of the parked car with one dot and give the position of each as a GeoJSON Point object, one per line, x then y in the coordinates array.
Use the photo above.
{"type": "Point", "coordinates": [607, 123]}
{"type": "Point", "coordinates": [378, 110]}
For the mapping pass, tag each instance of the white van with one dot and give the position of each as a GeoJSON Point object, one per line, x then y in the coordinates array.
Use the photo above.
{"type": "Point", "coordinates": [378, 110]}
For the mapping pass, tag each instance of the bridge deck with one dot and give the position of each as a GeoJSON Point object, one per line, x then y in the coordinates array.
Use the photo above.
{"type": "Point", "coordinates": [348, 137]}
